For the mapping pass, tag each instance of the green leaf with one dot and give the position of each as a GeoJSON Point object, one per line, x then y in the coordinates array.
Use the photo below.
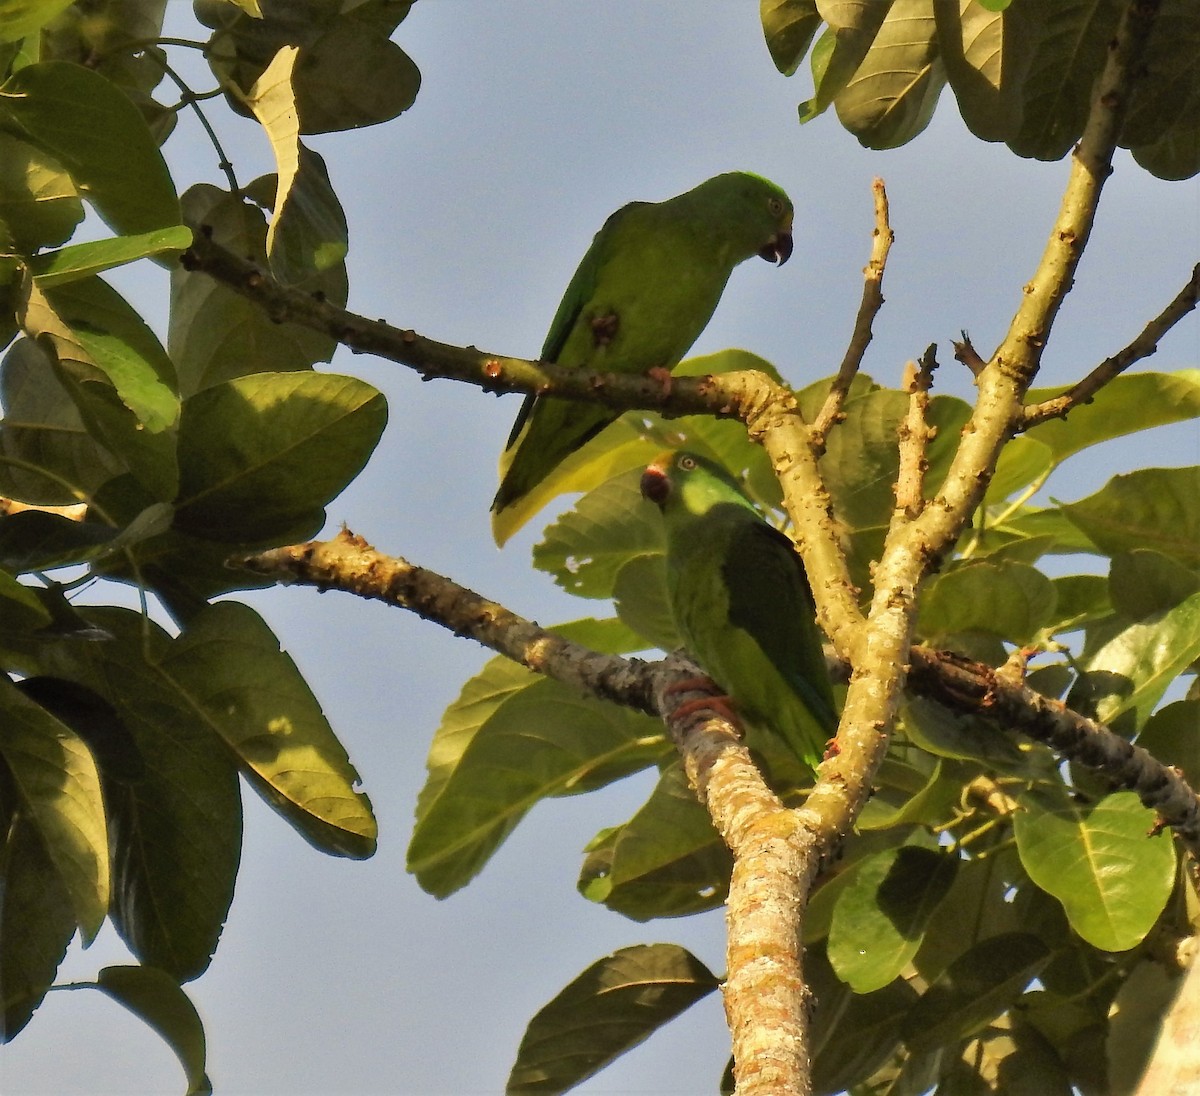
{"type": "Point", "coordinates": [308, 232]}
{"type": "Point", "coordinates": [788, 26]}
{"type": "Point", "coordinates": [1010, 600]}
{"type": "Point", "coordinates": [1155, 508]}
{"type": "Point", "coordinates": [264, 454]}
{"type": "Point", "coordinates": [122, 346]}
{"type": "Point", "coordinates": [987, 51]}
{"type": "Point", "coordinates": [1144, 582]}
{"type": "Point", "coordinates": [39, 202]}
{"type": "Point", "coordinates": [880, 918]}
{"type": "Point", "coordinates": [155, 997]}
{"type": "Point", "coordinates": [614, 1005]}
{"type": "Point", "coordinates": [216, 334]}
{"type": "Point", "coordinates": [1170, 735]}
{"type": "Point", "coordinates": [249, 692]}
{"type": "Point", "coordinates": [978, 986]}
{"type": "Point", "coordinates": [853, 1034]}
{"type": "Point", "coordinates": [1068, 55]}
{"type": "Point", "coordinates": [947, 734]}
{"type": "Point", "coordinates": [666, 861]}
{"type": "Point", "coordinates": [840, 50]}
{"type": "Point", "coordinates": [891, 97]}
{"type": "Point", "coordinates": [1105, 864]}
{"type": "Point", "coordinates": [540, 741]}
{"type": "Point", "coordinates": [640, 596]}
{"type": "Point", "coordinates": [38, 918]}
{"type": "Point", "coordinates": [111, 365]}
{"type": "Point", "coordinates": [50, 458]}
{"type": "Point", "coordinates": [1132, 670]}
{"type": "Point", "coordinates": [19, 18]}
{"type": "Point", "coordinates": [176, 835]}
{"type": "Point", "coordinates": [1128, 404]}
{"type": "Point", "coordinates": [56, 781]}
{"type": "Point", "coordinates": [586, 548]}
{"type": "Point", "coordinates": [69, 264]}
{"type": "Point", "coordinates": [92, 128]}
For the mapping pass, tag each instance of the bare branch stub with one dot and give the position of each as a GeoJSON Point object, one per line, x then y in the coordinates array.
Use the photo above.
{"type": "Point", "coordinates": [915, 434]}
{"type": "Point", "coordinates": [860, 339]}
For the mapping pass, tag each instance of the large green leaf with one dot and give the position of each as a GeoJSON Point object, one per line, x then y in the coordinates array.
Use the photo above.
{"type": "Point", "coordinates": [159, 1000]}
{"type": "Point", "coordinates": [1105, 863]}
{"type": "Point", "coordinates": [39, 202]}
{"type": "Point", "coordinates": [51, 458]}
{"type": "Point", "coordinates": [880, 918]}
{"type": "Point", "coordinates": [1066, 61]}
{"type": "Point", "coordinates": [1010, 600]}
{"type": "Point", "coordinates": [1128, 404]}
{"type": "Point", "coordinates": [113, 368]}
{"type": "Point", "coordinates": [176, 834]}
{"type": "Point", "coordinates": [308, 232]}
{"type": "Point", "coordinates": [788, 26]}
{"type": "Point", "coordinates": [978, 986]}
{"type": "Point", "coordinates": [987, 55]}
{"type": "Point", "coordinates": [586, 548]}
{"type": "Point", "coordinates": [57, 783]}
{"type": "Point", "coordinates": [891, 97]}
{"type": "Point", "coordinates": [263, 454]}
{"type": "Point", "coordinates": [69, 264]}
{"type": "Point", "coordinates": [88, 125]}
{"type": "Point", "coordinates": [1155, 508]}
{"type": "Point", "coordinates": [19, 18]}
{"type": "Point", "coordinates": [1131, 671]}
{"type": "Point", "coordinates": [249, 692]}
{"type": "Point", "coordinates": [614, 1005]}
{"type": "Point", "coordinates": [540, 741]}
{"type": "Point", "coordinates": [666, 861]}
{"type": "Point", "coordinates": [39, 921]}
{"type": "Point", "coordinates": [1144, 582]}
{"type": "Point", "coordinates": [216, 334]}
{"type": "Point", "coordinates": [1170, 735]}
{"type": "Point", "coordinates": [349, 73]}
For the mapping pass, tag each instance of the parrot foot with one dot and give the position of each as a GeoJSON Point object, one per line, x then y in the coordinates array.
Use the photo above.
{"type": "Point", "coordinates": [663, 376]}
{"type": "Point", "coordinates": [718, 704]}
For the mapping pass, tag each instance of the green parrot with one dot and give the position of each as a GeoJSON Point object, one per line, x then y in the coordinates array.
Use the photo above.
{"type": "Point", "coordinates": [644, 291]}
{"type": "Point", "coordinates": [742, 603]}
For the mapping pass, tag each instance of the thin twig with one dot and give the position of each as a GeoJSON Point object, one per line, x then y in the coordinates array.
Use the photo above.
{"type": "Point", "coordinates": [1142, 347]}
{"type": "Point", "coordinates": [860, 339]}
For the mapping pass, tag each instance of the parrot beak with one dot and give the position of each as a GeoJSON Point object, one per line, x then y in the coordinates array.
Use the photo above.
{"type": "Point", "coordinates": [656, 486]}
{"type": "Point", "coordinates": [778, 249]}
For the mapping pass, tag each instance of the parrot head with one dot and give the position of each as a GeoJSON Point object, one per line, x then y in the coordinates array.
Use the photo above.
{"type": "Point", "coordinates": [755, 212]}
{"type": "Point", "coordinates": [678, 481]}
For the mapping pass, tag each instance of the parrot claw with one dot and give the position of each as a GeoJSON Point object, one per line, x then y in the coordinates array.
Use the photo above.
{"type": "Point", "coordinates": [718, 704]}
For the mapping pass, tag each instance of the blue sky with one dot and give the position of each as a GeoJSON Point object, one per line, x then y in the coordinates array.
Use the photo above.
{"type": "Point", "coordinates": [467, 217]}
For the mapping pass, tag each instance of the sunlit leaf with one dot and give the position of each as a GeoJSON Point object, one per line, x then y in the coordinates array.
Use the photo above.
{"type": "Point", "coordinates": [1105, 864]}
{"type": "Point", "coordinates": [69, 264]}
{"type": "Point", "coordinates": [879, 920]}
{"type": "Point", "coordinates": [56, 780]}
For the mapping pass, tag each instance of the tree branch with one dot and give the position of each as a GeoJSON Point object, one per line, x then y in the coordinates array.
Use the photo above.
{"type": "Point", "coordinates": [860, 339]}
{"type": "Point", "coordinates": [1142, 347]}
{"type": "Point", "coordinates": [724, 396]}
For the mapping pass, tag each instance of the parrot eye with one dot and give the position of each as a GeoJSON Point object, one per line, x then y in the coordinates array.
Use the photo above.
{"type": "Point", "coordinates": [687, 463]}
{"type": "Point", "coordinates": [775, 205]}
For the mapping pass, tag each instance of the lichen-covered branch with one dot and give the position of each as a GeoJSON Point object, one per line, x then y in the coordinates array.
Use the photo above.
{"type": "Point", "coordinates": [766, 1002]}
{"type": "Point", "coordinates": [868, 309]}
{"type": "Point", "coordinates": [1142, 347]}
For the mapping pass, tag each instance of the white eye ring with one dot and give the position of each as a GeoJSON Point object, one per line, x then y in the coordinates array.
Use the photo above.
{"type": "Point", "coordinates": [775, 205]}
{"type": "Point", "coordinates": [687, 463]}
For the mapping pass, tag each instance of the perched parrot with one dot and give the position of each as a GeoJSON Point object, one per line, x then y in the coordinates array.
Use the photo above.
{"type": "Point", "coordinates": [644, 291]}
{"type": "Point", "coordinates": [742, 603]}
